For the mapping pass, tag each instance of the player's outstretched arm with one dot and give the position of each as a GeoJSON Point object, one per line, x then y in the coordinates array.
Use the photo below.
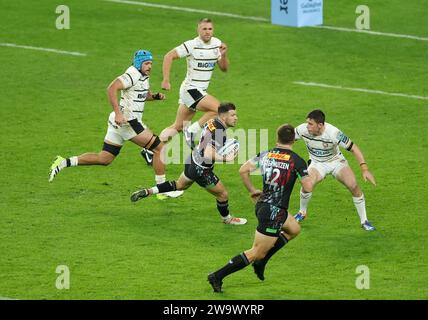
{"type": "Point", "coordinates": [112, 90]}
{"type": "Point", "coordinates": [367, 175]}
{"type": "Point", "coordinates": [245, 171]}
{"type": "Point", "coordinates": [223, 62]}
{"type": "Point", "coordinates": [166, 68]}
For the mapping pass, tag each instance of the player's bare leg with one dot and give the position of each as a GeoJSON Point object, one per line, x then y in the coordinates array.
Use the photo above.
{"type": "Point", "coordinates": [261, 245]}
{"type": "Point", "coordinates": [222, 197]}
{"type": "Point", "coordinates": [290, 230]}
{"type": "Point", "coordinates": [347, 177]}
{"type": "Point", "coordinates": [183, 116]}
{"type": "Point", "coordinates": [148, 140]}
{"type": "Point", "coordinates": [209, 105]}
{"type": "Point", "coordinates": [103, 158]}
{"type": "Point", "coordinates": [305, 197]}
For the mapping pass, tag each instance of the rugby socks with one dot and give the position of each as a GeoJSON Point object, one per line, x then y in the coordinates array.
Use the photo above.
{"type": "Point", "coordinates": [235, 264]}
{"type": "Point", "coordinates": [282, 241]}
{"type": "Point", "coordinates": [163, 187]}
{"type": "Point", "coordinates": [160, 179]}
{"type": "Point", "coordinates": [304, 200]}
{"type": "Point", "coordinates": [223, 208]}
{"type": "Point", "coordinates": [69, 162]}
{"type": "Point", "coordinates": [194, 127]}
{"type": "Point", "coordinates": [360, 205]}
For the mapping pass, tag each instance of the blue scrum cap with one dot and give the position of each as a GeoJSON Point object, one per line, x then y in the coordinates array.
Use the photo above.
{"type": "Point", "coordinates": [141, 56]}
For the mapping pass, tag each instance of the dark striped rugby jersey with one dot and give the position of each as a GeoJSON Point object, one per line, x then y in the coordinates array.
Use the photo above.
{"type": "Point", "coordinates": [213, 134]}
{"type": "Point", "coordinates": [280, 168]}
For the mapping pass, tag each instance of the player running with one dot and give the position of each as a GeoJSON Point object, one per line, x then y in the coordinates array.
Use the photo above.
{"type": "Point", "coordinates": [125, 122]}
{"type": "Point", "coordinates": [280, 168]}
{"type": "Point", "coordinates": [200, 164]}
{"type": "Point", "coordinates": [202, 53]}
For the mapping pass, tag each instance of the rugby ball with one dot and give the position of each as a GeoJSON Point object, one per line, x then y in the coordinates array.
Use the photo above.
{"type": "Point", "coordinates": [231, 145]}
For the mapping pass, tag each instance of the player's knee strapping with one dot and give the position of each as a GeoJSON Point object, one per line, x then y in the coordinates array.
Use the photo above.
{"type": "Point", "coordinates": [155, 143]}
{"type": "Point", "coordinates": [223, 208]}
{"type": "Point", "coordinates": [114, 150]}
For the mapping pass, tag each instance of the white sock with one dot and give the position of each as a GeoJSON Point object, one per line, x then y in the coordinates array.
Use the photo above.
{"type": "Point", "coordinates": [160, 179]}
{"type": "Point", "coordinates": [304, 201]}
{"type": "Point", "coordinates": [154, 190]}
{"type": "Point", "coordinates": [360, 204]}
{"type": "Point", "coordinates": [74, 161]}
{"type": "Point", "coordinates": [194, 127]}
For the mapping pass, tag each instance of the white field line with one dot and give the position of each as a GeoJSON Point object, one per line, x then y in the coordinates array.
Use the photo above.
{"type": "Point", "coordinates": [375, 33]}
{"type": "Point", "coordinates": [13, 45]}
{"type": "Point", "coordinates": [395, 94]}
{"type": "Point", "coordinates": [214, 13]}
{"type": "Point", "coordinates": [6, 298]}
{"type": "Point", "coordinates": [262, 19]}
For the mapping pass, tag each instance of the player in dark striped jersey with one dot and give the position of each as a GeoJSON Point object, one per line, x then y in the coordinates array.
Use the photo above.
{"type": "Point", "coordinates": [280, 168]}
{"type": "Point", "coordinates": [199, 166]}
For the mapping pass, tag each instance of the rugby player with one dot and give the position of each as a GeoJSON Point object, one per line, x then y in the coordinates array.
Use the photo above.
{"type": "Point", "coordinates": [200, 164]}
{"type": "Point", "coordinates": [280, 168]}
{"type": "Point", "coordinates": [125, 121]}
{"type": "Point", "coordinates": [323, 141]}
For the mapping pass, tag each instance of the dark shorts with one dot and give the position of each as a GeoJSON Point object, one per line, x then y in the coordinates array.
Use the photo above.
{"type": "Point", "coordinates": [206, 178]}
{"type": "Point", "coordinates": [271, 219]}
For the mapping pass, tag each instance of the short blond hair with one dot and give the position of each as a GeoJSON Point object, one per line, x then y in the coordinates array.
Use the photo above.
{"type": "Point", "coordinates": [205, 20]}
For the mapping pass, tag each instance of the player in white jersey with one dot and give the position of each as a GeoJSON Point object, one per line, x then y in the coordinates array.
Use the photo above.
{"type": "Point", "coordinates": [323, 141]}
{"type": "Point", "coordinates": [125, 122]}
{"type": "Point", "coordinates": [202, 54]}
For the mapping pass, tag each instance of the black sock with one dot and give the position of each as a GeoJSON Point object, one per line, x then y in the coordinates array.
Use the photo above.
{"type": "Point", "coordinates": [235, 264]}
{"type": "Point", "coordinates": [223, 208]}
{"type": "Point", "coordinates": [282, 241]}
{"type": "Point", "coordinates": [166, 186]}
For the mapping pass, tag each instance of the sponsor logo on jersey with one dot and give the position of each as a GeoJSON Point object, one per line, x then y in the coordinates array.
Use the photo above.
{"type": "Point", "coordinates": [278, 156]}
{"type": "Point", "coordinates": [320, 153]}
{"type": "Point", "coordinates": [211, 125]}
{"type": "Point", "coordinates": [206, 64]}
{"type": "Point", "coordinates": [341, 137]}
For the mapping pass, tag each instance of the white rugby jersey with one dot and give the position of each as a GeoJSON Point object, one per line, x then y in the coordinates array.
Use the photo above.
{"type": "Point", "coordinates": [134, 94]}
{"type": "Point", "coordinates": [324, 147]}
{"type": "Point", "coordinates": [201, 60]}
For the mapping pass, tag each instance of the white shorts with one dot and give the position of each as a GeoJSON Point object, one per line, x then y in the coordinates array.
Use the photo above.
{"type": "Point", "coordinates": [190, 96]}
{"type": "Point", "coordinates": [118, 135]}
{"type": "Point", "coordinates": [329, 167]}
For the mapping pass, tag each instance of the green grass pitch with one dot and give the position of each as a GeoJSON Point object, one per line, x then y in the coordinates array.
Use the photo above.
{"type": "Point", "coordinates": [56, 104]}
